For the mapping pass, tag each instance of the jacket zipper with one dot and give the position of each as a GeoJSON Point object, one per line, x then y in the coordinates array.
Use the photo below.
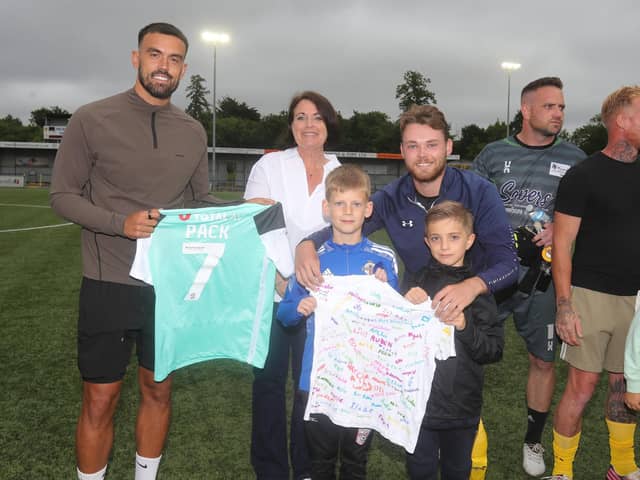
{"type": "Point", "coordinates": [153, 130]}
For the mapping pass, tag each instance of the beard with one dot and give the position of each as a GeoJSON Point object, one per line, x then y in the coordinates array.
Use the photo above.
{"type": "Point", "coordinates": [162, 91]}
{"type": "Point", "coordinates": [547, 132]}
{"type": "Point", "coordinates": [420, 176]}
{"type": "Point", "coordinates": [550, 130]}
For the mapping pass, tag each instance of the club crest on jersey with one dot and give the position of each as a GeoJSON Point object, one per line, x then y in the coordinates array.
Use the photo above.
{"type": "Point", "coordinates": [362, 435]}
{"type": "Point", "coordinates": [184, 216]}
{"type": "Point", "coordinates": [406, 223]}
{"type": "Point", "coordinates": [368, 267]}
{"type": "Point", "coordinates": [507, 166]}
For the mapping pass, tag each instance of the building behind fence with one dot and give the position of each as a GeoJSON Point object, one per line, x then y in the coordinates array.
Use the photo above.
{"type": "Point", "coordinates": [30, 163]}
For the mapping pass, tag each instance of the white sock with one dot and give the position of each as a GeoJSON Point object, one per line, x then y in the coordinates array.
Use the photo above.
{"type": "Point", "coordinates": [146, 468]}
{"type": "Point", "coordinates": [92, 476]}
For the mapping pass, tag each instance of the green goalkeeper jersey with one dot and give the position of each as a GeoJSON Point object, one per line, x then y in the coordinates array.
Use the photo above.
{"type": "Point", "coordinates": [213, 270]}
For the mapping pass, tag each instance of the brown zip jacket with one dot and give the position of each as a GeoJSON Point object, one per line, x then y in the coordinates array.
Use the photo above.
{"type": "Point", "coordinates": [120, 155]}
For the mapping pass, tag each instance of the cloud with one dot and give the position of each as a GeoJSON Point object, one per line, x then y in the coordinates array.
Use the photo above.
{"type": "Point", "coordinates": [355, 52]}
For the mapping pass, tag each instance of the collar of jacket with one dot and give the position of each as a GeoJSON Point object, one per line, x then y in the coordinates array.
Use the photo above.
{"type": "Point", "coordinates": [462, 272]}
{"type": "Point", "coordinates": [407, 188]}
{"type": "Point", "coordinates": [138, 102]}
{"type": "Point", "coordinates": [346, 247]}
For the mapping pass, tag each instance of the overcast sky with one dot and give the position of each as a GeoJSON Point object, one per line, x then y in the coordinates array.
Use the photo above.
{"type": "Point", "coordinates": [70, 52]}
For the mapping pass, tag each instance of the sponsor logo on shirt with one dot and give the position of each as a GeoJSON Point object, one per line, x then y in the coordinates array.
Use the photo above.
{"type": "Point", "coordinates": [207, 217]}
{"type": "Point", "coordinates": [406, 223]}
{"type": "Point", "coordinates": [558, 169]}
{"type": "Point", "coordinates": [512, 195]}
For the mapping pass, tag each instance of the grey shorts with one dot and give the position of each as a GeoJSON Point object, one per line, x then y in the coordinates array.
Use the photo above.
{"type": "Point", "coordinates": [534, 317]}
{"type": "Point", "coordinates": [112, 319]}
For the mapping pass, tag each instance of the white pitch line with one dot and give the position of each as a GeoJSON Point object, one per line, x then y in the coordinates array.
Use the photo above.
{"type": "Point", "coordinates": [35, 228]}
{"type": "Point", "coordinates": [30, 228]}
{"type": "Point", "coordinates": [23, 205]}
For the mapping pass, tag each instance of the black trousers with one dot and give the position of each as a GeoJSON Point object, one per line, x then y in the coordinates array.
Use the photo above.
{"type": "Point", "coordinates": [328, 442]}
{"type": "Point", "coordinates": [447, 446]}
{"type": "Point", "coordinates": [269, 452]}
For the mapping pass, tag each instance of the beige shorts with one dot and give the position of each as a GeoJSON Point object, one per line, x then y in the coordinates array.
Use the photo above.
{"type": "Point", "coordinates": [605, 323]}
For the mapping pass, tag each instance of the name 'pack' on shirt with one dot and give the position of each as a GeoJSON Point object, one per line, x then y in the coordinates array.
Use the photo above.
{"type": "Point", "coordinates": [213, 270]}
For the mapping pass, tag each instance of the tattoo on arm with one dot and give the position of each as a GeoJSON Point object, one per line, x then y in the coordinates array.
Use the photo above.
{"type": "Point", "coordinates": [565, 310]}
{"type": "Point", "coordinates": [616, 410]}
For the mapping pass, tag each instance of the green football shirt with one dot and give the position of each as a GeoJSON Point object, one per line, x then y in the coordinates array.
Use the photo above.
{"type": "Point", "coordinates": [213, 271]}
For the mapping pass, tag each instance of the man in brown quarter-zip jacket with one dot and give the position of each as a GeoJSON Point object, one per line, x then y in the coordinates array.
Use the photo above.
{"type": "Point", "coordinates": [122, 159]}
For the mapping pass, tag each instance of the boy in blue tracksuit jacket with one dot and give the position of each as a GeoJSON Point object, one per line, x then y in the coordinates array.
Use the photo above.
{"type": "Point", "coordinates": [347, 253]}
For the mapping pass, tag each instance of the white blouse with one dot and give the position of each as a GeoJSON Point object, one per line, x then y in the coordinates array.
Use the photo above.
{"type": "Point", "coordinates": [282, 177]}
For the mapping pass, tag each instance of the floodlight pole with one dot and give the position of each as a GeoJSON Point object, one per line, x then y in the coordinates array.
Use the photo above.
{"type": "Point", "coordinates": [509, 67]}
{"type": "Point", "coordinates": [214, 38]}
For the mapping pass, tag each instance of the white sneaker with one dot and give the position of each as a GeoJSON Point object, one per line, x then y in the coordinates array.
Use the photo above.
{"type": "Point", "coordinates": [533, 459]}
{"type": "Point", "coordinates": [613, 475]}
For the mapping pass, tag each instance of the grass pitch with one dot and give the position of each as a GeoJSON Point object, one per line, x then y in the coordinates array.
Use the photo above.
{"type": "Point", "coordinates": [210, 431]}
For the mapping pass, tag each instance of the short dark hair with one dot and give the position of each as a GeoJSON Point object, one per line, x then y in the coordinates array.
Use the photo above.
{"type": "Point", "coordinates": [165, 29]}
{"type": "Point", "coordinates": [541, 82]}
{"type": "Point", "coordinates": [449, 209]}
{"type": "Point", "coordinates": [326, 110]}
{"type": "Point", "coordinates": [425, 115]}
{"type": "Point", "coordinates": [347, 176]}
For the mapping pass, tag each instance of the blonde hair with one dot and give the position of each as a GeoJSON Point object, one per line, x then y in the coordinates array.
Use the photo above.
{"type": "Point", "coordinates": [347, 177]}
{"type": "Point", "coordinates": [617, 100]}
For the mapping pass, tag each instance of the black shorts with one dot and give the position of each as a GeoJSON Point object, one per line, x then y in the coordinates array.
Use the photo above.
{"type": "Point", "coordinates": [112, 318]}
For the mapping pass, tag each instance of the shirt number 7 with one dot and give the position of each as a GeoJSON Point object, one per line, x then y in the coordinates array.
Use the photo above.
{"type": "Point", "coordinates": [213, 252]}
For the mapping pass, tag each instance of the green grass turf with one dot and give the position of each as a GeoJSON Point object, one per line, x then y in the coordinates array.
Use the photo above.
{"type": "Point", "coordinates": [210, 431]}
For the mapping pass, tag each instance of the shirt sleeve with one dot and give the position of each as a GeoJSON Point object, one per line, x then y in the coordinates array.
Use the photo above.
{"type": "Point", "coordinates": [393, 281]}
{"type": "Point", "coordinates": [494, 235]}
{"type": "Point", "coordinates": [271, 228]}
{"type": "Point", "coordinates": [288, 308]}
{"type": "Point", "coordinates": [391, 269]}
{"type": "Point", "coordinates": [376, 221]}
{"type": "Point", "coordinates": [198, 187]}
{"type": "Point", "coordinates": [258, 181]}
{"type": "Point", "coordinates": [319, 237]}
{"type": "Point", "coordinates": [632, 356]}
{"type": "Point", "coordinates": [484, 332]}
{"type": "Point", "coordinates": [141, 268]}
{"type": "Point", "coordinates": [71, 175]}
{"type": "Point", "coordinates": [480, 165]}
{"type": "Point", "coordinates": [571, 198]}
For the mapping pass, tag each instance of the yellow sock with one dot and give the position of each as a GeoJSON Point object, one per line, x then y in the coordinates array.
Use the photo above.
{"type": "Point", "coordinates": [621, 446]}
{"type": "Point", "coordinates": [479, 454]}
{"type": "Point", "coordinates": [564, 451]}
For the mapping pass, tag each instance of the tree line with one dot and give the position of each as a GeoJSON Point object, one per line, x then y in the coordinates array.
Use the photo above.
{"type": "Point", "coordinates": [240, 125]}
